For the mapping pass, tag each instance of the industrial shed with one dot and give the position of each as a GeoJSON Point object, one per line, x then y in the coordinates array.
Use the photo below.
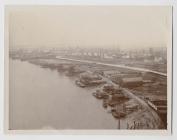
{"type": "Point", "coordinates": [131, 82]}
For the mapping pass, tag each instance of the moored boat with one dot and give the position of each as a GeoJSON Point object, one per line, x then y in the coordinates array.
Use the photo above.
{"type": "Point", "coordinates": [118, 114]}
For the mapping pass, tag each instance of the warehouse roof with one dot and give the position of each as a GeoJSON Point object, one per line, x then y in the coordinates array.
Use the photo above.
{"type": "Point", "coordinates": [132, 79]}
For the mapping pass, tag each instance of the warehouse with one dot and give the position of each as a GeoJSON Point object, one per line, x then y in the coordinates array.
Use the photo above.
{"type": "Point", "coordinates": [131, 82]}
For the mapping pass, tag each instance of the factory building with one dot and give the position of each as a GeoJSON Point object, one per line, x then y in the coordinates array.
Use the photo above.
{"type": "Point", "coordinates": [131, 82]}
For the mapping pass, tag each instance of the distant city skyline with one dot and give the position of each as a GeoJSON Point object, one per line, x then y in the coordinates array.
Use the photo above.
{"type": "Point", "coordinates": [89, 26]}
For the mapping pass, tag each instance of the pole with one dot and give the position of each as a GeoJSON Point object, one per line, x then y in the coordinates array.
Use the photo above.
{"type": "Point", "coordinates": [127, 126]}
{"type": "Point", "coordinates": [118, 117]}
{"type": "Point", "coordinates": [119, 123]}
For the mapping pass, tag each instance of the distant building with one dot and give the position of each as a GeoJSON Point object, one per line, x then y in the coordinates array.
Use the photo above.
{"type": "Point", "coordinates": [158, 59]}
{"type": "Point", "coordinates": [111, 73]}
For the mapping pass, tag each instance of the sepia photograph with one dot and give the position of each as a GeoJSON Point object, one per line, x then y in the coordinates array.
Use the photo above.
{"type": "Point", "coordinates": [88, 67]}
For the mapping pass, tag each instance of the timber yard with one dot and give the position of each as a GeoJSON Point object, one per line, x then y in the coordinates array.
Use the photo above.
{"type": "Point", "coordinates": [132, 85]}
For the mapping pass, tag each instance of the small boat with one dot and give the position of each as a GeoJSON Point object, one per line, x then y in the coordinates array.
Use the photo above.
{"type": "Point", "coordinates": [113, 103]}
{"type": "Point", "coordinates": [100, 95]}
{"type": "Point", "coordinates": [97, 95]}
{"type": "Point", "coordinates": [80, 84]}
{"type": "Point", "coordinates": [118, 114]}
{"type": "Point", "coordinates": [105, 103]}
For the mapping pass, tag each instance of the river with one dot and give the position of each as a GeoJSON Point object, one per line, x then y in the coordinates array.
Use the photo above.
{"type": "Point", "coordinates": [41, 98]}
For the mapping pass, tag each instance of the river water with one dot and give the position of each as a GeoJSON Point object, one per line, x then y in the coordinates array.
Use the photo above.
{"type": "Point", "coordinates": [41, 98]}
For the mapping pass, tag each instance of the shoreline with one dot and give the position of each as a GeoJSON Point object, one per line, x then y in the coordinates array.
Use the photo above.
{"type": "Point", "coordinates": [58, 66]}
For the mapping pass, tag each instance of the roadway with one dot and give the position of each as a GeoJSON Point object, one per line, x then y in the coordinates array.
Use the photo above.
{"type": "Point", "coordinates": [114, 65]}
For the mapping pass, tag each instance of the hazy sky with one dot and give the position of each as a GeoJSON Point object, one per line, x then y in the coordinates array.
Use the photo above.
{"type": "Point", "coordinates": [89, 26]}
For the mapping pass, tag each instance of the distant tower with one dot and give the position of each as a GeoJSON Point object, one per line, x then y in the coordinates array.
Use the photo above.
{"type": "Point", "coordinates": [151, 52]}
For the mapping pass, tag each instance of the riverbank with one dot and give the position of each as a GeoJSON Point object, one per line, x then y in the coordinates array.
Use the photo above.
{"type": "Point", "coordinates": [131, 120]}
